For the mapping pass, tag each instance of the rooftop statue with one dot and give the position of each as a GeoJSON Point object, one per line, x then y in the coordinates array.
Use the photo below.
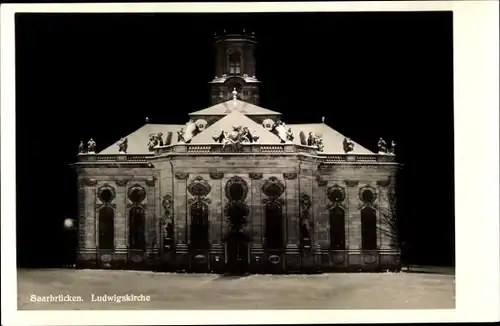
{"type": "Point", "coordinates": [279, 129]}
{"type": "Point", "coordinates": [289, 135]}
{"type": "Point", "coordinates": [123, 145]}
{"type": "Point", "coordinates": [310, 139]}
{"type": "Point", "coordinates": [91, 144]}
{"type": "Point", "coordinates": [168, 139]}
{"type": "Point", "coordinates": [392, 149]}
{"type": "Point", "coordinates": [348, 145]}
{"type": "Point", "coordinates": [81, 147]}
{"type": "Point", "coordinates": [155, 140]}
{"type": "Point", "coordinates": [382, 146]}
{"type": "Point", "coordinates": [255, 137]}
{"type": "Point", "coordinates": [180, 136]}
{"type": "Point", "coordinates": [191, 131]}
{"type": "Point", "coordinates": [318, 141]}
{"type": "Point", "coordinates": [159, 139]}
{"type": "Point", "coordinates": [218, 137]}
{"type": "Point", "coordinates": [246, 135]}
{"type": "Point", "coordinates": [234, 139]}
{"type": "Point", "coordinates": [303, 139]}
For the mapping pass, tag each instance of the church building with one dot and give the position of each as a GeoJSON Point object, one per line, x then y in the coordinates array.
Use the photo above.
{"type": "Point", "coordinates": [237, 188]}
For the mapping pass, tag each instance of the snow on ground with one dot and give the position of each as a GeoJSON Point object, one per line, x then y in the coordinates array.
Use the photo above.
{"type": "Point", "coordinates": [434, 290]}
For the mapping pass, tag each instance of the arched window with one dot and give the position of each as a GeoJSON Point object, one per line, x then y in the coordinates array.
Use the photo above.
{"type": "Point", "coordinates": [337, 228]}
{"type": "Point", "coordinates": [106, 228]}
{"type": "Point", "coordinates": [368, 229]}
{"type": "Point", "coordinates": [199, 225]}
{"type": "Point", "coordinates": [235, 63]}
{"type": "Point", "coordinates": [137, 237]}
{"type": "Point", "coordinates": [274, 228]}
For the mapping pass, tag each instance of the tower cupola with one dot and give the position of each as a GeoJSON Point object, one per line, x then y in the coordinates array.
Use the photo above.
{"type": "Point", "coordinates": [235, 67]}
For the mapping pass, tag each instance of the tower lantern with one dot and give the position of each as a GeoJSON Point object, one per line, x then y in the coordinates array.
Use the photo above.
{"type": "Point", "coordinates": [235, 67]}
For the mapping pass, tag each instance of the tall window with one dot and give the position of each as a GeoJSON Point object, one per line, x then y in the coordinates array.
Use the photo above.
{"type": "Point", "coordinates": [235, 63]}
{"type": "Point", "coordinates": [368, 229]}
{"type": "Point", "coordinates": [199, 225]}
{"type": "Point", "coordinates": [337, 228]}
{"type": "Point", "coordinates": [106, 228]}
{"type": "Point", "coordinates": [137, 238]}
{"type": "Point", "coordinates": [274, 229]}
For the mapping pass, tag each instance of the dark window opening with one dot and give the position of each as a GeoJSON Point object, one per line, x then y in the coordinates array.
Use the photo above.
{"type": "Point", "coordinates": [106, 228]}
{"type": "Point", "coordinates": [337, 228]}
{"type": "Point", "coordinates": [137, 238]}
{"type": "Point", "coordinates": [199, 226]}
{"type": "Point", "coordinates": [274, 226]}
{"type": "Point", "coordinates": [368, 229]}
{"type": "Point", "coordinates": [106, 195]}
{"type": "Point", "coordinates": [236, 191]}
{"type": "Point", "coordinates": [368, 196]}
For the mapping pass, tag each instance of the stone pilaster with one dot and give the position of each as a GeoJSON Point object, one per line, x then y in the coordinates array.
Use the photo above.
{"type": "Point", "coordinates": [81, 215]}
{"type": "Point", "coordinates": [180, 210]}
{"type": "Point", "coordinates": [257, 215]}
{"type": "Point", "coordinates": [384, 216]}
{"type": "Point", "coordinates": [292, 209]}
{"type": "Point", "coordinates": [216, 209]}
{"type": "Point", "coordinates": [91, 241]}
{"type": "Point", "coordinates": [149, 228]}
{"type": "Point", "coordinates": [322, 235]}
{"type": "Point", "coordinates": [353, 225]}
{"type": "Point", "coordinates": [121, 235]}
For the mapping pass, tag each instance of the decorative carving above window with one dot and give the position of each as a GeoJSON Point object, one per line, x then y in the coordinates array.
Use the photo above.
{"type": "Point", "coordinates": [136, 194]}
{"type": "Point", "coordinates": [236, 193]}
{"type": "Point", "coordinates": [181, 175]}
{"type": "Point", "coordinates": [89, 182]}
{"type": "Point", "coordinates": [290, 176]}
{"type": "Point", "coordinates": [384, 183]}
{"type": "Point", "coordinates": [121, 182]}
{"type": "Point", "coordinates": [216, 175]}
{"type": "Point", "coordinates": [106, 193]}
{"type": "Point", "coordinates": [351, 183]}
{"type": "Point", "coordinates": [273, 187]}
{"type": "Point", "coordinates": [367, 194]}
{"type": "Point", "coordinates": [255, 175]}
{"type": "Point", "coordinates": [199, 187]}
{"type": "Point", "coordinates": [321, 182]}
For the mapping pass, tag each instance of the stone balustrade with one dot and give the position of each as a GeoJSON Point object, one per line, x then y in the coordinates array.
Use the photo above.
{"type": "Point", "coordinates": [256, 148]}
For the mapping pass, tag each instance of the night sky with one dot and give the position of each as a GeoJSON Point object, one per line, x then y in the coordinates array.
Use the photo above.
{"type": "Point", "coordinates": [370, 75]}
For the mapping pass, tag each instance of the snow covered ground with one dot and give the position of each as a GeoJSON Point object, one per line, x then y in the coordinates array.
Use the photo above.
{"type": "Point", "coordinates": [424, 289]}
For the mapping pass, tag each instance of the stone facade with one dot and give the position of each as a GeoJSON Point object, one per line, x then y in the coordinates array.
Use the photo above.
{"type": "Point", "coordinates": [169, 182]}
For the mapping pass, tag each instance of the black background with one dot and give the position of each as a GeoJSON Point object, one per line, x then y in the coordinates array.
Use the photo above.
{"type": "Point", "coordinates": [99, 75]}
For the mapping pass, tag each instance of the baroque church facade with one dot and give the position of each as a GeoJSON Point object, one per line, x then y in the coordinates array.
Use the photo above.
{"type": "Point", "coordinates": [237, 187]}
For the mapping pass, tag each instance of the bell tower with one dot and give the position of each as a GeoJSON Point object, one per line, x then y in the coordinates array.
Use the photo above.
{"type": "Point", "coordinates": [234, 68]}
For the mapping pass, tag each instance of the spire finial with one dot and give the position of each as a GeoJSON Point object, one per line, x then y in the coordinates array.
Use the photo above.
{"type": "Point", "coordinates": [235, 93]}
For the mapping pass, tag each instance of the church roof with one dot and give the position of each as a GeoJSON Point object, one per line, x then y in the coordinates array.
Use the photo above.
{"type": "Point", "coordinates": [235, 105]}
{"type": "Point", "coordinates": [333, 141]}
{"type": "Point", "coordinates": [235, 118]}
{"type": "Point", "coordinates": [138, 140]}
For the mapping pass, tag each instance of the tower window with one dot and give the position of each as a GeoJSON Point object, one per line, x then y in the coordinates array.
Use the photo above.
{"type": "Point", "coordinates": [235, 63]}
